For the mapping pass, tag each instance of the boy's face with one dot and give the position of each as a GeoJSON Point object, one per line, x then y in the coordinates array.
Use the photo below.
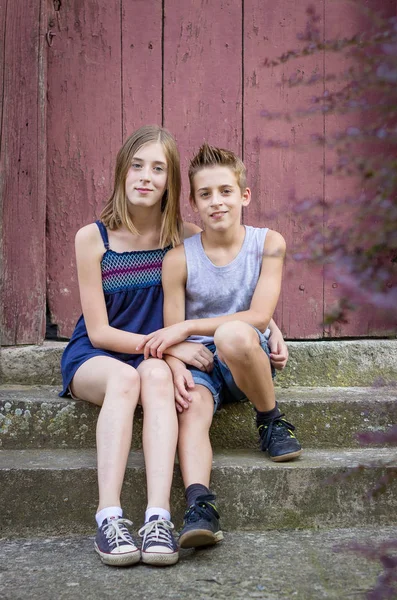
{"type": "Point", "coordinates": [218, 198]}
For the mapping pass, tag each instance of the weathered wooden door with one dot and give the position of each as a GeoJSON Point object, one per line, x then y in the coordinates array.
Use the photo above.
{"type": "Point", "coordinates": [197, 68]}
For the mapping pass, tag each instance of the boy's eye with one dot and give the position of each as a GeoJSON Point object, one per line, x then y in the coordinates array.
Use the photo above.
{"type": "Point", "coordinates": [227, 191]}
{"type": "Point", "coordinates": [204, 194]}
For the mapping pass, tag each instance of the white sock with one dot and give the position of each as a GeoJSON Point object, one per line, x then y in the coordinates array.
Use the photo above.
{"type": "Point", "coordinates": [161, 512]}
{"type": "Point", "coordinates": [110, 512]}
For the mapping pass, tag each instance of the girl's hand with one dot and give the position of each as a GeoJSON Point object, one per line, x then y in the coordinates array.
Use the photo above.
{"type": "Point", "coordinates": [157, 342]}
{"type": "Point", "coordinates": [196, 355]}
{"type": "Point", "coordinates": [278, 351]}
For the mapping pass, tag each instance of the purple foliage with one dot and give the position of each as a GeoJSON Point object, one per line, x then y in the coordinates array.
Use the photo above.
{"type": "Point", "coordinates": [362, 259]}
{"type": "Point", "coordinates": [386, 553]}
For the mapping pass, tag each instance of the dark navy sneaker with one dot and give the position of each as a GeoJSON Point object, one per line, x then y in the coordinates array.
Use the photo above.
{"type": "Point", "coordinates": [158, 545]}
{"type": "Point", "coordinates": [278, 439]}
{"type": "Point", "coordinates": [201, 524]}
{"type": "Point", "coordinates": [115, 544]}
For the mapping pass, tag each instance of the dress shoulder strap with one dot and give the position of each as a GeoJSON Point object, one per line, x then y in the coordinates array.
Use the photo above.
{"type": "Point", "coordinates": [104, 233]}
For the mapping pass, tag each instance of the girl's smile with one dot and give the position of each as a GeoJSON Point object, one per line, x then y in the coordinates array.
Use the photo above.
{"type": "Point", "coordinates": [146, 179]}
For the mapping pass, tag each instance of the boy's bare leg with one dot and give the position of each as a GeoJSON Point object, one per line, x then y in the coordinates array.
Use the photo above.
{"type": "Point", "coordinates": [194, 446]}
{"type": "Point", "coordinates": [201, 523]}
{"type": "Point", "coordinates": [238, 346]}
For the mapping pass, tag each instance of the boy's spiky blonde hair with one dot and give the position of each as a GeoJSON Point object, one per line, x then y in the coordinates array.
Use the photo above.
{"type": "Point", "coordinates": [211, 156]}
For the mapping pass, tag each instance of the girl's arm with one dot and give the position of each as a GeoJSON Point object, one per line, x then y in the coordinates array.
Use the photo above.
{"type": "Point", "coordinates": [89, 253]}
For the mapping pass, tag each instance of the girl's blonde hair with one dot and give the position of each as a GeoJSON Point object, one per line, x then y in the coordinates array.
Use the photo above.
{"type": "Point", "coordinates": [115, 214]}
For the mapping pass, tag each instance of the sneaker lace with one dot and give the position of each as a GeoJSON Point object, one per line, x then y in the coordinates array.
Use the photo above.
{"type": "Point", "coordinates": [158, 531]}
{"type": "Point", "coordinates": [275, 428]}
{"type": "Point", "coordinates": [116, 532]}
{"type": "Point", "coordinates": [201, 508]}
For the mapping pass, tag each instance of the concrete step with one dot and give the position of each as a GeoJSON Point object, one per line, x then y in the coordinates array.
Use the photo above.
{"type": "Point", "coordinates": [275, 565]}
{"type": "Point", "coordinates": [312, 363]}
{"type": "Point", "coordinates": [35, 417]}
{"type": "Point", "coordinates": [55, 491]}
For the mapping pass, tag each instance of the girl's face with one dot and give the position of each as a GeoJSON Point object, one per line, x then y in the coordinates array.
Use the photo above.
{"type": "Point", "coordinates": [146, 179]}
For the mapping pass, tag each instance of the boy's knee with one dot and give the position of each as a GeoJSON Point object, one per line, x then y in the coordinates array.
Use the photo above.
{"type": "Point", "coordinates": [200, 408]}
{"type": "Point", "coordinates": [235, 340]}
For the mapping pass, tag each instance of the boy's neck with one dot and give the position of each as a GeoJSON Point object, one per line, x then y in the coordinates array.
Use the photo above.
{"type": "Point", "coordinates": [225, 239]}
{"type": "Point", "coordinates": [222, 247]}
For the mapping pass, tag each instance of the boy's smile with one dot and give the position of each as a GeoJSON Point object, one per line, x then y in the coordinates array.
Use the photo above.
{"type": "Point", "coordinates": [218, 198]}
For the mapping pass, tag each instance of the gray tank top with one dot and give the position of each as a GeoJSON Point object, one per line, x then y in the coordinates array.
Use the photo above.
{"type": "Point", "coordinates": [213, 291]}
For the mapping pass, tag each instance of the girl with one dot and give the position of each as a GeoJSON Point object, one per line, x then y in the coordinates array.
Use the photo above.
{"type": "Point", "coordinates": [119, 262]}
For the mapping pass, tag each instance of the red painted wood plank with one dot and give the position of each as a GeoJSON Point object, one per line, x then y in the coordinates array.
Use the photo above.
{"type": "Point", "coordinates": [22, 162]}
{"type": "Point", "coordinates": [202, 77]}
{"type": "Point", "coordinates": [141, 64]}
{"type": "Point", "coordinates": [270, 29]}
{"type": "Point", "coordinates": [342, 21]}
{"type": "Point", "coordinates": [84, 136]}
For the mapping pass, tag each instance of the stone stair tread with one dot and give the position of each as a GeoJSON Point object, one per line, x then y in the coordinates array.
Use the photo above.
{"type": "Point", "coordinates": [35, 417]}
{"type": "Point", "coordinates": [57, 490]}
{"type": "Point", "coordinates": [269, 565]}
{"type": "Point", "coordinates": [311, 363]}
{"type": "Point", "coordinates": [59, 459]}
{"type": "Point", "coordinates": [49, 393]}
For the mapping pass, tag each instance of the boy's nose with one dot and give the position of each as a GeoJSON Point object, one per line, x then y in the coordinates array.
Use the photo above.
{"type": "Point", "coordinates": [216, 199]}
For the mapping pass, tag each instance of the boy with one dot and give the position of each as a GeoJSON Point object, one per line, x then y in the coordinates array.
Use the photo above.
{"type": "Point", "coordinates": [221, 288]}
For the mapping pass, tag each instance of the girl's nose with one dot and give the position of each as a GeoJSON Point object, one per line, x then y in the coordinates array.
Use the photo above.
{"type": "Point", "coordinates": [145, 173]}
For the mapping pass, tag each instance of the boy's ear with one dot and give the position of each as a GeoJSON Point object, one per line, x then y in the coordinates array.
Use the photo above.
{"type": "Point", "coordinates": [246, 196]}
{"type": "Point", "coordinates": [193, 203]}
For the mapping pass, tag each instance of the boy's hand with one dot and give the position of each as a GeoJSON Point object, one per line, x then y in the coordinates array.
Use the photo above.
{"type": "Point", "coordinates": [196, 355]}
{"type": "Point", "coordinates": [183, 382]}
{"type": "Point", "coordinates": [158, 341]}
{"type": "Point", "coordinates": [278, 351]}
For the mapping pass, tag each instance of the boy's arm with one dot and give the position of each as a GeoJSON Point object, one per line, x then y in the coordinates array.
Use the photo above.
{"type": "Point", "coordinates": [278, 347]}
{"type": "Point", "coordinates": [259, 314]}
{"type": "Point", "coordinates": [174, 281]}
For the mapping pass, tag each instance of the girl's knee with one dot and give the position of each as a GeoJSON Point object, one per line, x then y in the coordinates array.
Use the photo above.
{"type": "Point", "coordinates": [125, 381]}
{"type": "Point", "coordinates": [235, 340]}
{"type": "Point", "coordinates": [155, 371]}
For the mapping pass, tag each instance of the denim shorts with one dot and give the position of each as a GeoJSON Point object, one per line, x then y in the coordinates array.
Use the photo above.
{"type": "Point", "coordinates": [220, 381]}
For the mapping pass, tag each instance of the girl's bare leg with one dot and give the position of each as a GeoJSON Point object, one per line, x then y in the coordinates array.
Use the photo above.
{"type": "Point", "coordinates": [115, 387]}
{"type": "Point", "coordinates": [160, 430]}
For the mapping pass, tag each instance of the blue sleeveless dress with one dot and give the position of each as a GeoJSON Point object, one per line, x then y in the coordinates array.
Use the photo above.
{"type": "Point", "coordinates": [131, 284]}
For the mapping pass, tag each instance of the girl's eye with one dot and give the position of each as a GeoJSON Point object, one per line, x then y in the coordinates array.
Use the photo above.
{"type": "Point", "coordinates": [136, 165]}
{"type": "Point", "coordinates": [159, 169]}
